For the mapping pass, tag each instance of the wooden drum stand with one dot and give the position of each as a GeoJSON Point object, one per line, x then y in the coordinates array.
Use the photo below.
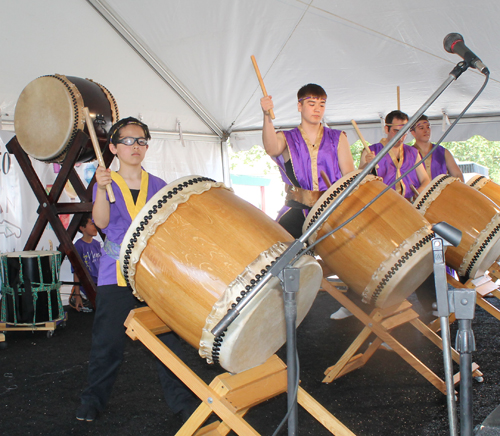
{"type": "Point", "coordinates": [230, 397]}
{"type": "Point", "coordinates": [50, 208]}
{"type": "Point", "coordinates": [381, 322]}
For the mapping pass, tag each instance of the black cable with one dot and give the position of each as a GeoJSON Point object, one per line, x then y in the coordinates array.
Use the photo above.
{"type": "Point", "coordinates": [295, 390]}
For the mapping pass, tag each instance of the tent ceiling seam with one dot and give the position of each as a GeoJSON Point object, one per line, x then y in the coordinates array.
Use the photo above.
{"type": "Point", "coordinates": [133, 40]}
{"type": "Point", "coordinates": [273, 62]}
{"type": "Point", "coordinates": [383, 34]}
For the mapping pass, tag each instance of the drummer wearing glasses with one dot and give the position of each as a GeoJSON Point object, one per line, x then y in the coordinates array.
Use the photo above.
{"type": "Point", "coordinates": [132, 188]}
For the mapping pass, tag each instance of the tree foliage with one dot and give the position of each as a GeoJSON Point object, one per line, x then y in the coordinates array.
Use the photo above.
{"type": "Point", "coordinates": [254, 161]}
{"type": "Point", "coordinates": [476, 149]}
{"type": "Point", "coordinates": [479, 150]}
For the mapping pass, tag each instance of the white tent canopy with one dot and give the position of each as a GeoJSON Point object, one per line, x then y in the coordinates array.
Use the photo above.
{"type": "Point", "coordinates": [189, 60]}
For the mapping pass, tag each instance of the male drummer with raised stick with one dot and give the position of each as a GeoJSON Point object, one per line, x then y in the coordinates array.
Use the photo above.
{"type": "Point", "coordinates": [399, 159]}
{"type": "Point", "coordinates": [303, 153]}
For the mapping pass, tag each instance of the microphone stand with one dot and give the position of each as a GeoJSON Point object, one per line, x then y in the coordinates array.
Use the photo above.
{"type": "Point", "coordinates": [445, 236]}
{"type": "Point", "coordinates": [297, 249]}
{"type": "Point", "coordinates": [463, 303]}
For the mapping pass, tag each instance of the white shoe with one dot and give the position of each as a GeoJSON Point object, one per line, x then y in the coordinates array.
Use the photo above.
{"type": "Point", "coordinates": [341, 313]}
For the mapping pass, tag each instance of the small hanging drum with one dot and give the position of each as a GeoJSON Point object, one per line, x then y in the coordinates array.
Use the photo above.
{"type": "Point", "coordinates": [194, 251]}
{"type": "Point", "coordinates": [385, 253]}
{"type": "Point", "coordinates": [448, 199]}
{"type": "Point", "coordinates": [486, 186]}
{"type": "Point", "coordinates": [30, 287]}
{"type": "Point", "coordinates": [49, 114]}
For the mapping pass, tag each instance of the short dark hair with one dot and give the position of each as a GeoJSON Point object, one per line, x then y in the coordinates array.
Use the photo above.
{"type": "Point", "coordinates": [311, 90]}
{"type": "Point", "coordinates": [395, 114]}
{"type": "Point", "coordinates": [422, 118]}
{"type": "Point", "coordinates": [114, 132]}
{"type": "Point", "coordinates": [84, 220]}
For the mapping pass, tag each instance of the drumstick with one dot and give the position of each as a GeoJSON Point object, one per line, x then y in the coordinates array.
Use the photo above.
{"type": "Point", "coordinates": [325, 179]}
{"type": "Point", "coordinates": [262, 86]}
{"type": "Point", "coordinates": [361, 138]}
{"type": "Point", "coordinates": [398, 98]}
{"type": "Point", "coordinates": [414, 190]}
{"type": "Point", "coordinates": [97, 150]}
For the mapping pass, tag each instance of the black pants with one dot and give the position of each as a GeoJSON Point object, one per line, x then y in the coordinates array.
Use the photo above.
{"type": "Point", "coordinates": [114, 303]}
{"type": "Point", "coordinates": [292, 221]}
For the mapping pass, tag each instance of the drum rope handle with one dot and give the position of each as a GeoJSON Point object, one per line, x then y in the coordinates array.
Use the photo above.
{"type": "Point", "coordinates": [97, 149]}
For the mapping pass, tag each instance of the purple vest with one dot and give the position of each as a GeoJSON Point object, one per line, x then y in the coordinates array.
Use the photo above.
{"type": "Point", "coordinates": [119, 222]}
{"type": "Point", "coordinates": [301, 159]}
{"type": "Point", "coordinates": [387, 169]}
{"type": "Point", "coordinates": [438, 162]}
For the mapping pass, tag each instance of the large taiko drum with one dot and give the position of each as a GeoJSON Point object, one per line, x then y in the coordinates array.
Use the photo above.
{"type": "Point", "coordinates": [193, 251]}
{"type": "Point", "coordinates": [448, 199]}
{"type": "Point", "coordinates": [30, 287]}
{"type": "Point", "coordinates": [486, 186]}
{"type": "Point", "coordinates": [385, 253]}
{"type": "Point", "coordinates": [49, 114]}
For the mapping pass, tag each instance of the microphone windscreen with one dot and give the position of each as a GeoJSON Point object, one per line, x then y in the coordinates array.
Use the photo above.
{"type": "Point", "coordinates": [450, 40]}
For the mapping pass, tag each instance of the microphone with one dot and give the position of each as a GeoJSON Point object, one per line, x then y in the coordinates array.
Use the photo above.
{"type": "Point", "coordinates": [454, 43]}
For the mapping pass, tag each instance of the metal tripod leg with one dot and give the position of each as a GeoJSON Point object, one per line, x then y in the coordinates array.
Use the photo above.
{"type": "Point", "coordinates": [438, 246]}
{"type": "Point", "coordinates": [291, 281]}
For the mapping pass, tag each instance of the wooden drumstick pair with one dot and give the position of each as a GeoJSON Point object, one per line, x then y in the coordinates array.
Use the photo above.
{"type": "Point", "coordinates": [97, 149]}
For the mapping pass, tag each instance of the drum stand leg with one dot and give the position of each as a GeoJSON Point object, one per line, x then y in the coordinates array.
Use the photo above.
{"type": "Point", "coordinates": [228, 396]}
{"type": "Point", "coordinates": [50, 209]}
{"type": "Point", "coordinates": [381, 322]}
{"type": "Point", "coordinates": [484, 285]}
{"type": "Point", "coordinates": [488, 286]}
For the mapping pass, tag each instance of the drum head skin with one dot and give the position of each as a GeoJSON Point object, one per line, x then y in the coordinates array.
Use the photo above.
{"type": "Point", "coordinates": [47, 116]}
{"type": "Point", "coordinates": [260, 330]}
{"type": "Point", "coordinates": [49, 113]}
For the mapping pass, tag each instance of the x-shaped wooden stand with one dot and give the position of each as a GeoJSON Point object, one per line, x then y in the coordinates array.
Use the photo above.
{"type": "Point", "coordinates": [381, 322]}
{"type": "Point", "coordinates": [50, 208]}
{"type": "Point", "coordinates": [228, 396]}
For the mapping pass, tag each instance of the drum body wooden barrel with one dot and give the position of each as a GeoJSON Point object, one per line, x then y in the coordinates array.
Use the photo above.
{"type": "Point", "coordinates": [30, 287]}
{"type": "Point", "coordinates": [448, 199]}
{"type": "Point", "coordinates": [49, 113]}
{"type": "Point", "coordinates": [385, 253]}
{"type": "Point", "coordinates": [486, 186]}
{"type": "Point", "coordinates": [194, 252]}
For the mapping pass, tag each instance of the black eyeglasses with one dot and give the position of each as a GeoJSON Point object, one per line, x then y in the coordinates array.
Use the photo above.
{"type": "Point", "coordinates": [130, 140]}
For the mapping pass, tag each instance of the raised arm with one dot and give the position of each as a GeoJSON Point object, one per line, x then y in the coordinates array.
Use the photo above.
{"type": "Point", "coordinates": [100, 209]}
{"type": "Point", "coordinates": [274, 143]}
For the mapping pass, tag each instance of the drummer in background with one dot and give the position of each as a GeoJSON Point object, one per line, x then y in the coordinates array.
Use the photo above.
{"type": "Point", "coordinates": [441, 161]}
{"type": "Point", "coordinates": [90, 252]}
{"type": "Point", "coordinates": [132, 187]}
{"type": "Point", "coordinates": [302, 153]}
{"type": "Point", "coordinates": [399, 159]}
